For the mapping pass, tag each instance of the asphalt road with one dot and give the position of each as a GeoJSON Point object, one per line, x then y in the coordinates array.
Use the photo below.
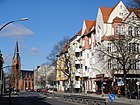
{"type": "Point", "coordinates": [32, 98]}
{"type": "Point", "coordinates": [35, 98]}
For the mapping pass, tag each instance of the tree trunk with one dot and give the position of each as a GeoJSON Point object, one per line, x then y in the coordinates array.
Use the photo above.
{"type": "Point", "coordinates": [125, 85]}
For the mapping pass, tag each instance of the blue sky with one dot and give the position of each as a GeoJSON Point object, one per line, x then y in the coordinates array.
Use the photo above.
{"type": "Point", "coordinates": [49, 21]}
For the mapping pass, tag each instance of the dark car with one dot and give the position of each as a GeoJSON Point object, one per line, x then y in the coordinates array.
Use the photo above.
{"type": "Point", "coordinates": [133, 94]}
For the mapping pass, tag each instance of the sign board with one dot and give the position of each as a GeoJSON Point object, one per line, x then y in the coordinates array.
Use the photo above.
{"type": "Point", "coordinates": [111, 97]}
{"type": "Point", "coordinates": [120, 83]}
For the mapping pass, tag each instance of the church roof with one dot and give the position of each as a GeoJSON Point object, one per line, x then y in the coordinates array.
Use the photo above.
{"type": "Point", "coordinates": [16, 53]}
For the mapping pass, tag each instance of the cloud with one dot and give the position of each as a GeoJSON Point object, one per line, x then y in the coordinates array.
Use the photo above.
{"type": "Point", "coordinates": [15, 30]}
{"type": "Point", "coordinates": [34, 50]}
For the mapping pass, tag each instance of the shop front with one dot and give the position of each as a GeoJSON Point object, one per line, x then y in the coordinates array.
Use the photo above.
{"type": "Point", "coordinates": [103, 84]}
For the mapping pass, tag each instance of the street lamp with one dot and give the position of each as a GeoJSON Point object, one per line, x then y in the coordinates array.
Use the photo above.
{"type": "Point", "coordinates": [22, 19]}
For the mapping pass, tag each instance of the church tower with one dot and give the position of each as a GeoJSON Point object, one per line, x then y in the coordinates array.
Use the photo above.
{"type": "Point", "coordinates": [16, 68]}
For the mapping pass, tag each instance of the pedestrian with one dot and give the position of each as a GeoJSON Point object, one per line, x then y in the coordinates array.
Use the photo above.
{"type": "Point", "coordinates": [119, 92]}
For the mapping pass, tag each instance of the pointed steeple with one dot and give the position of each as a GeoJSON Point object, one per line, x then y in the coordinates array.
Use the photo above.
{"type": "Point", "coordinates": [16, 53]}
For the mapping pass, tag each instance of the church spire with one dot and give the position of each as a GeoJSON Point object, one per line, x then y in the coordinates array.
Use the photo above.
{"type": "Point", "coordinates": [16, 53]}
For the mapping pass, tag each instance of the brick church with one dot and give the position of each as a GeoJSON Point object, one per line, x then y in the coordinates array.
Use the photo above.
{"type": "Point", "coordinates": [21, 79]}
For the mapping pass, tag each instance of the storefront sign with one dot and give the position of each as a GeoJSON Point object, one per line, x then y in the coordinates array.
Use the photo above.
{"type": "Point", "coordinates": [120, 83]}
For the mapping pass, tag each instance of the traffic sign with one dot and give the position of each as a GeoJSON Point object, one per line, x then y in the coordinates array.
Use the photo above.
{"type": "Point", "coordinates": [111, 97]}
{"type": "Point", "coordinates": [120, 83]}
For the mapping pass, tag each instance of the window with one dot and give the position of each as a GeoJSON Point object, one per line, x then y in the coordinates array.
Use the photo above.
{"type": "Point", "coordinates": [130, 47]}
{"type": "Point", "coordinates": [109, 64]}
{"type": "Point", "coordinates": [118, 65]}
{"type": "Point", "coordinates": [136, 32]}
{"type": "Point", "coordinates": [120, 13]}
{"type": "Point", "coordinates": [133, 17]}
{"type": "Point", "coordinates": [133, 64]}
{"type": "Point", "coordinates": [120, 30]}
{"type": "Point", "coordinates": [133, 47]}
{"type": "Point", "coordinates": [138, 47]}
{"type": "Point", "coordinates": [86, 68]}
{"type": "Point", "coordinates": [138, 65]}
{"type": "Point", "coordinates": [120, 6]}
{"type": "Point", "coordinates": [130, 31]}
{"type": "Point", "coordinates": [109, 47]}
{"type": "Point", "coordinates": [87, 55]}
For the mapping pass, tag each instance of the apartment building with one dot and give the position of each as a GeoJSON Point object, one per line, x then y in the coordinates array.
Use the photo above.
{"type": "Point", "coordinates": [90, 72]}
{"type": "Point", "coordinates": [117, 23]}
{"type": "Point", "coordinates": [41, 75]}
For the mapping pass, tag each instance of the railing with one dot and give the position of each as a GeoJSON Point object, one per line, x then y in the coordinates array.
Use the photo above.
{"type": "Point", "coordinates": [88, 100]}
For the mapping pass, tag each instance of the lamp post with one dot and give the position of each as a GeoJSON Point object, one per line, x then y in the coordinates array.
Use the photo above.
{"type": "Point", "coordinates": [22, 19]}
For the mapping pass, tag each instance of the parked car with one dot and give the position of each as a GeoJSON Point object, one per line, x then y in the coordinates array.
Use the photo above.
{"type": "Point", "coordinates": [44, 90]}
{"type": "Point", "coordinates": [38, 90]}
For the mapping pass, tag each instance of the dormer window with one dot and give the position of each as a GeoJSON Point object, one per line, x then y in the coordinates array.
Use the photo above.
{"type": "Point", "coordinates": [120, 13]}
{"type": "Point", "coordinates": [120, 6]}
{"type": "Point", "coordinates": [133, 17]}
{"type": "Point", "coordinates": [120, 30]}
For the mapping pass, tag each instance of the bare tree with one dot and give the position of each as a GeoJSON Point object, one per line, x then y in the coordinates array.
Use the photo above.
{"type": "Point", "coordinates": [62, 63]}
{"type": "Point", "coordinates": [133, 3]}
{"type": "Point", "coordinates": [57, 48]}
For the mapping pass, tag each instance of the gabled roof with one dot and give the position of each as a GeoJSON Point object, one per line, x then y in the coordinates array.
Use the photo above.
{"type": "Point", "coordinates": [117, 20]}
{"type": "Point", "coordinates": [16, 53]}
{"type": "Point", "coordinates": [135, 10]}
{"type": "Point", "coordinates": [79, 33]}
{"type": "Point", "coordinates": [106, 11]}
{"type": "Point", "coordinates": [89, 25]}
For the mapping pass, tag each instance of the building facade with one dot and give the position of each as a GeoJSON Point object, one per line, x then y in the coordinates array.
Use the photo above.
{"type": "Point", "coordinates": [44, 75]}
{"type": "Point", "coordinates": [91, 71]}
{"type": "Point", "coordinates": [21, 79]}
{"type": "Point", "coordinates": [27, 80]}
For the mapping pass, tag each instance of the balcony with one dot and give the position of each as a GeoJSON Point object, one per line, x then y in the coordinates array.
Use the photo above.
{"type": "Point", "coordinates": [77, 62]}
{"type": "Point", "coordinates": [77, 73]}
{"type": "Point", "coordinates": [85, 74]}
{"type": "Point", "coordinates": [78, 50]}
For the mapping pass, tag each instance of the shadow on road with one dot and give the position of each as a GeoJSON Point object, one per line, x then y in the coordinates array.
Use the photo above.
{"type": "Point", "coordinates": [31, 100]}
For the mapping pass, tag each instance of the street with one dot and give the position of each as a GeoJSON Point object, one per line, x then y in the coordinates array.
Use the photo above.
{"type": "Point", "coordinates": [37, 98]}
{"type": "Point", "coordinates": [33, 98]}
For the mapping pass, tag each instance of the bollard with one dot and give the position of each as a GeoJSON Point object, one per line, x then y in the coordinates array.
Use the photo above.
{"type": "Point", "coordinates": [136, 99]}
{"type": "Point", "coordinates": [130, 98]}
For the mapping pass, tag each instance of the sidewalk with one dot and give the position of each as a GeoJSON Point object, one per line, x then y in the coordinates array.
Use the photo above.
{"type": "Point", "coordinates": [121, 100]}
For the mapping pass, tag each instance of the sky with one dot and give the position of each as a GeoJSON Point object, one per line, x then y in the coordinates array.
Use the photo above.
{"type": "Point", "coordinates": [48, 22]}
